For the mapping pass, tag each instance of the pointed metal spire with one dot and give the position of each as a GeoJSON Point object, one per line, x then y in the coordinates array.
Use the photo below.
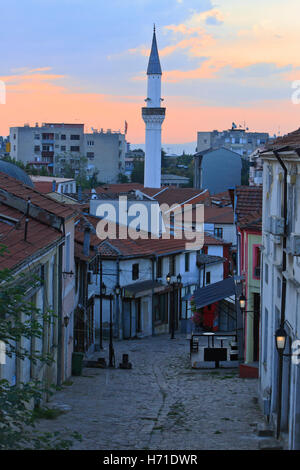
{"type": "Point", "coordinates": [154, 63]}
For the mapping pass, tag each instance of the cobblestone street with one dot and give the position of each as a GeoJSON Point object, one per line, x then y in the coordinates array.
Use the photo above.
{"type": "Point", "coordinates": [160, 404]}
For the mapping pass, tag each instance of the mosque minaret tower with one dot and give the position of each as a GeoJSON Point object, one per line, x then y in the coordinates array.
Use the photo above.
{"type": "Point", "coordinates": [154, 116]}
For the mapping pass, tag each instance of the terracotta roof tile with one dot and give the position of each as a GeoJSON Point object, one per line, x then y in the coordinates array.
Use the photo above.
{"type": "Point", "coordinates": [39, 237]}
{"type": "Point", "coordinates": [252, 221]}
{"type": "Point", "coordinates": [218, 215]}
{"type": "Point", "coordinates": [249, 200]}
{"type": "Point", "coordinates": [24, 192]}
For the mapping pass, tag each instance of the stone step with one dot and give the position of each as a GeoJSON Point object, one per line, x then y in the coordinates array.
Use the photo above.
{"type": "Point", "coordinates": [264, 431]}
{"type": "Point", "coordinates": [270, 444]}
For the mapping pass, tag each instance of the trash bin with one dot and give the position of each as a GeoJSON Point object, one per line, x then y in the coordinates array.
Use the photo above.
{"type": "Point", "coordinates": [77, 359]}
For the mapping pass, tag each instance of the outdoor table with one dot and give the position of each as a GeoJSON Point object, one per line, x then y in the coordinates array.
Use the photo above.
{"type": "Point", "coordinates": [208, 336]}
{"type": "Point", "coordinates": [221, 338]}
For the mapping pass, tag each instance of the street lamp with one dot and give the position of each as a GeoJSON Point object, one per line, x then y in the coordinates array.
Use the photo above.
{"type": "Point", "coordinates": [102, 292]}
{"type": "Point", "coordinates": [280, 337]}
{"type": "Point", "coordinates": [172, 306]}
{"type": "Point", "coordinates": [242, 301]}
{"type": "Point", "coordinates": [118, 291]}
{"type": "Point", "coordinates": [111, 348]}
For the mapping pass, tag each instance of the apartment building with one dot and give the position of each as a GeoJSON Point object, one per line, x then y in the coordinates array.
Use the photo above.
{"type": "Point", "coordinates": [45, 145]}
{"type": "Point", "coordinates": [237, 139]}
{"type": "Point", "coordinates": [63, 148]}
{"type": "Point", "coordinates": [106, 151]}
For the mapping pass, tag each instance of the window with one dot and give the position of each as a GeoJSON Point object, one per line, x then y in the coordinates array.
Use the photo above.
{"type": "Point", "coordinates": [90, 155]}
{"type": "Point", "coordinates": [207, 277]}
{"type": "Point", "coordinates": [37, 136]}
{"type": "Point", "coordinates": [90, 142]}
{"type": "Point", "coordinates": [75, 137]}
{"type": "Point", "coordinates": [37, 148]}
{"type": "Point", "coordinates": [266, 273]}
{"type": "Point", "coordinates": [159, 268]}
{"type": "Point", "coordinates": [135, 272]}
{"type": "Point", "coordinates": [278, 287]}
{"type": "Point", "coordinates": [256, 262]}
{"type": "Point", "coordinates": [63, 137]}
{"type": "Point", "coordinates": [187, 262]}
{"type": "Point", "coordinates": [75, 148]}
{"type": "Point", "coordinates": [15, 137]}
{"type": "Point", "coordinates": [47, 136]}
{"type": "Point", "coordinates": [63, 148]}
{"type": "Point", "coordinates": [172, 262]}
{"type": "Point", "coordinates": [219, 232]}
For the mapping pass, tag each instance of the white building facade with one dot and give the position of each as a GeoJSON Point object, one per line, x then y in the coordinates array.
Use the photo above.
{"type": "Point", "coordinates": [280, 287]}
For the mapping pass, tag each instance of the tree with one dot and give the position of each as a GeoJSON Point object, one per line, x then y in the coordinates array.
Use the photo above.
{"type": "Point", "coordinates": [123, 178]}
{"type": "Point", "coordinates": [245, 172]}
{"type": "Point", "coordinates": [21, 319]}
{"type": "Point", "coordinates": [137, 175]}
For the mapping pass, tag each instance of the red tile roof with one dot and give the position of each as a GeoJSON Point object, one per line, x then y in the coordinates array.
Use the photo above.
{"type": "Point", "coordinates": [172, 196]}
{"type": "Point", "coordinates": [117, 188]}
{"type": "Point", "coordinates": [24, 192]}
{"type": "Point", "coordinates": [43, 187]}
{"type": "Point", "coordinates": [39, 237]}
{"type": "Point", "coordinates": [252, 221]}
{"type": "Point", "coordinates": [218, 215]}
{"type": "Point", "coordinates": [291, 140]}
{"type": "Point", "coordinates": [249, 200]}
{"type": "Point", "coordinates": [222, 198]}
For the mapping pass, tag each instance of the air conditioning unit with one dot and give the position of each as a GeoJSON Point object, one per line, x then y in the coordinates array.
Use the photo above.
{"type": "Point", "coordinates": [277, 225]}
{"type": "Point", "coordinates": [293, 245]}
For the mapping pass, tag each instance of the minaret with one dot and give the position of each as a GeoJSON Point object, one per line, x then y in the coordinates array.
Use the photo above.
{"type": "Point", "coordinates": [153, 116]}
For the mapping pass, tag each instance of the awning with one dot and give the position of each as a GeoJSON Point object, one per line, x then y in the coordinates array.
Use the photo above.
{"type": "Point", "coordinates": [139, 289]}
{"type": "Point", "coordinates": [214, 292]}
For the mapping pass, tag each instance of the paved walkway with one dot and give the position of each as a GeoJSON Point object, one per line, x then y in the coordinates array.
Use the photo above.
{"type": "Point", "coordinates": [160, 404]}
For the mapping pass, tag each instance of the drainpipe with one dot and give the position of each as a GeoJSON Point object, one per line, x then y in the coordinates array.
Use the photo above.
{"type": "Point", "coordinates": [119, 336]}
{"type": "Point", "coordinates": [154, 264]}
{"type": "Point", "coordinates": [283, 289]}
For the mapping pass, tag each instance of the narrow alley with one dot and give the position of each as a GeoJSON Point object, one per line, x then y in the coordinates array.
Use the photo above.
{"type": "Point", "coordinates": [161, 403]}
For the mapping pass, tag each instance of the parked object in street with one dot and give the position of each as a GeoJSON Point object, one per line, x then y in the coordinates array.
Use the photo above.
{"type": "Point", "coordinates": [125, 364]}
{"type": "Point", "coordinates": [220, 351]}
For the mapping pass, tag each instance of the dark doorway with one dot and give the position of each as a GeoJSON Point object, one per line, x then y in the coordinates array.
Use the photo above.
{"type": "Point", "coordinates": [138, 315]}
{"type": "Point", "coordinates": [256, 322]}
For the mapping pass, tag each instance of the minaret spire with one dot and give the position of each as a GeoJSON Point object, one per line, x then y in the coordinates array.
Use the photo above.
{"type": "Point", "coordinates": [153, 115]}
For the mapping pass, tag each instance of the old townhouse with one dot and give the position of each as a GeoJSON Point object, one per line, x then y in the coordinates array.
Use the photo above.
{"type": "Point", "coordinates": [280, 286]}
{"type": "Point", "coordinates": [41, 240]}
{"type": "Point", "coordinates": [248, 206]}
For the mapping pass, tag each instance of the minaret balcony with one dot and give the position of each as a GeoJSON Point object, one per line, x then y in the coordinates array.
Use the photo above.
{"type": "Point", "coordinates": [153, 111]}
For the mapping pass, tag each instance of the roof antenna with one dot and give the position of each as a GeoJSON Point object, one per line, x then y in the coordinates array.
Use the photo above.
{"type": "Point", "coordinates": [154, 27]}
{"type": "Point", "coordinates": [27, 219]}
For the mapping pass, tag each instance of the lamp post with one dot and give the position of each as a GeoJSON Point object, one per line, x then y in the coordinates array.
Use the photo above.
{"type": "Point", "coordinates": [118, 291]}
{"type": "Point", "coordinates": [102, 292]}
{"type": "Point", "coordinates": [111, 348]}
{"type": "Point", "coordinates": [172, 304]}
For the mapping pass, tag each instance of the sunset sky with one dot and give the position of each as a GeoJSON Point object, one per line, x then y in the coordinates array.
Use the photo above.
{"type": "Point", "coordinates": [85, 61]}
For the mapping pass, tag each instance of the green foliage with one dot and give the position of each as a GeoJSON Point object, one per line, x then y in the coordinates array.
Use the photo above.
{"type": "Point", "coordinates": [20, 319]}
{"type": "Point", "coordinates": [137, 175]}
{"type": "Point", "coordinates": [245, 172]}
{"type": "Point", "coordinates": [123, 178]}
{"type": "Point", "coordinates": [46, 413]}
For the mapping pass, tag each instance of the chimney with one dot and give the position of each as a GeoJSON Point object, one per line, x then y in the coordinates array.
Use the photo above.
{"type": "Point", "coordinates": [53, 186]}
{"type": "Point", "coordinates": [86, 240]}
